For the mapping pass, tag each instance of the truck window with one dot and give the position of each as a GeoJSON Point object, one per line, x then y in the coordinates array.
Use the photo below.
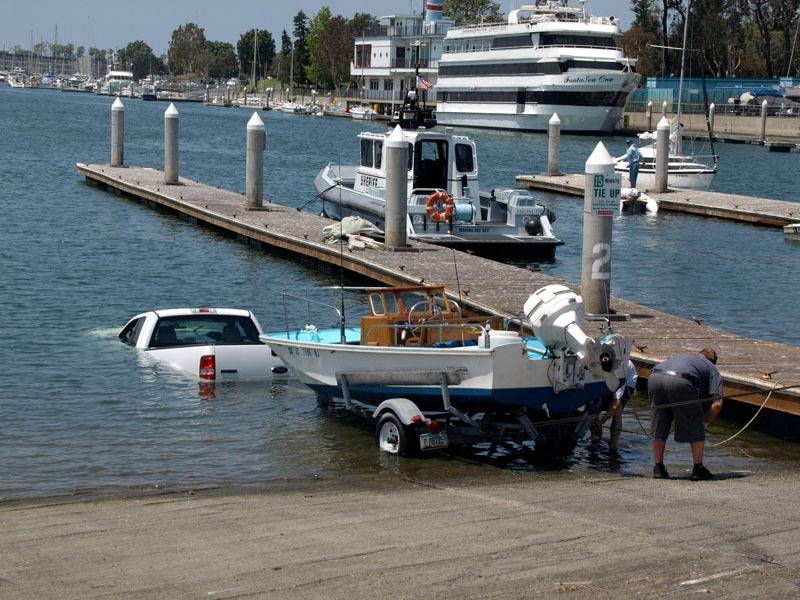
{"type": "Point", "coordinates": [204, 330]}
{"type": "Point", "coordinates": [130, 334]}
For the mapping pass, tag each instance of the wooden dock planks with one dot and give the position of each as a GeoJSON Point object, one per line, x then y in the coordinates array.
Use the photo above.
{"type": "Point", "coordinates": [747, 209]}
{"type": "Point", "coordinates": [485, 286]}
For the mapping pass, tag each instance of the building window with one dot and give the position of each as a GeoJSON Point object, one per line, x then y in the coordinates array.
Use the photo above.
{"type": "Point", "coordinates": [388, 84]}
{"type": "Point", "coordinates": [374, 84]}
{"type": "Point", "coordinates": [363, 53]}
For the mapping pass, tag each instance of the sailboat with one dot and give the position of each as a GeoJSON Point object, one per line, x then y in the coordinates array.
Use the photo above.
{"type": "Point", "coordinates": [683, 170]}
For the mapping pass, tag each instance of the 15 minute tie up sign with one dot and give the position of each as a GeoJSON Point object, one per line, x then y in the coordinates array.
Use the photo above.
{"type": "Point", "coordinates": [605, 193]}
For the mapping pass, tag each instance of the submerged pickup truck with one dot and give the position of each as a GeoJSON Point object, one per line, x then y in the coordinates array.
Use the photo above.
{"type": "Point", "coordinates": [211, 344]}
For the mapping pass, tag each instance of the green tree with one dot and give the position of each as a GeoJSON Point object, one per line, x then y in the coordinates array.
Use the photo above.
{"type": "Point", "coordinates": [187, 50]}
{"type": "Point", "coordinates": [286, 43]}
{"type": "Point", "coordinates": [300, 52]}
{"type": "Point", "coordinates": [467, 12]}
{"type": "Point", "coordinates": [222, 62]}
{"type": "Point", "coordinates": [138, 57]}
{"type": "Point", "coordinates": [266, 52]}
{"type": "Point", "coordinates": [315, 69]}
{"type": "Point", "coordinates": [334, 52]}
{"type": "Point", "coordinates": [644, 16]}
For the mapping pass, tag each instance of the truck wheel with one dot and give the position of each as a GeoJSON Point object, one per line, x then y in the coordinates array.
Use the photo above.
{"type": "Point", "coordinates": [393, 437]}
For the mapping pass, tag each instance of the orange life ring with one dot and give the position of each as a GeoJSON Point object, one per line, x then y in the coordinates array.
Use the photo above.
{"type": "Point", "coordinates": [440, 206]}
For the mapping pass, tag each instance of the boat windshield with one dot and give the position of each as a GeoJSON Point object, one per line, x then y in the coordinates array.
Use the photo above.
{"type": "Point", "coordinates": [430, 164]}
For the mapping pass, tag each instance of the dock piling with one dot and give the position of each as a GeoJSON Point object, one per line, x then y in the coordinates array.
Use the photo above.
{"type": "Point", "coordinates": [396, 189]}
{"type": "Point", "coordinates": [600, 203]}
{"type": "Point", "coordinates": [171, 128]}
{"type": "Point", "coordinates": [712, 109]}
{"type": "Point", "coordinates": [649, 115]}
{"type": "Point", "coordinates": [254, 175]}
{"type": "Point", "coordinates": [664, 109]}
{"type": "Point", "coordinates": [208, 93]}
{"type": "Point", "coordinates": [554, 146]}
{"type": "Point", "coordinates": [117, 133]}
{"type": "Point", "coordinates": [662, 155]}
{"type": "Point", "coordinates": [763, 135]}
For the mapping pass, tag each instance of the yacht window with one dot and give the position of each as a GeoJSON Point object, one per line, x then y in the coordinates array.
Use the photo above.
{"type": "Point", "coordinates": [366, 153]}
{"type": "Point", "coordinates": [464, 162]}
{"type": "Point", "coordinates": [561, 39]}
{"type": "Point", "coordinates": [378, 154]}
{"type": "Point", "coordinates": [512, 41]}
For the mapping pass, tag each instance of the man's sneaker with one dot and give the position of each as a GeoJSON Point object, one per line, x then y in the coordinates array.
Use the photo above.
{"type": "Point", "coordinates": [700, 473]}
{"type": "Point", "coordinates": [660, 472]}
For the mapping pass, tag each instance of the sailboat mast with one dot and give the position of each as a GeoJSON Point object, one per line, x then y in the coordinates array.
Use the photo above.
{"type": "Point", "coordinates": [679, 139]}
{"type": "Point", "coordinates": [291, 72]}
{"type": "Point", "coordinates": [255, 59]}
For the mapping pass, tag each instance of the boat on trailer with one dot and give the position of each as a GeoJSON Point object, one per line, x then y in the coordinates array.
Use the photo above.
{"type": "Point", "coordinates": [445, 204]}
{"type": "Point", "coordinates": [419, 359]}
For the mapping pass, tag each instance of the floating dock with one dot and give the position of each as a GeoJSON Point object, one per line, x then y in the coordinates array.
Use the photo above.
{"type": "Point", "coordinates": [746, 209]}
{"type": "Point", "coordinates": [751, 368]}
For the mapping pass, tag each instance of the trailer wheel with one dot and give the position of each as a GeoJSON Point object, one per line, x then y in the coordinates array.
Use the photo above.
{"type": "Point", "coordinates": [393, 437]}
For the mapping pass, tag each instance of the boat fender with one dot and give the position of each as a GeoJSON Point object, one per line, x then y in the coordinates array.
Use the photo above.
{"type": "Point", "coordinates": [404, 408]}
{"type": "Point", "coordinates": [440, 206]}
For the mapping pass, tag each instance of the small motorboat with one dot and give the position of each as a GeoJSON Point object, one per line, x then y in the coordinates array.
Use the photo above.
{"type": "Point", "coordinates": [417, 345]}
{"type": "Point", "coordinates": [634, 202]}
{"type": "Point", "coordinates": [362, 112]}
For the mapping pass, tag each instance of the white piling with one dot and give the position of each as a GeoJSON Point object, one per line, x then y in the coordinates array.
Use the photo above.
{"type": "Point", "coordinates": [763, 136]}
{"type": "Point", "coordinates": [662, 155]}
{"type": "Point", "coordinates": [171, 129]}
{"type": "Point", "coordinates": [208, 93]}
{"type": "Point", "coordinates": [396, 161]}
{"type": "Point", "coordinates": [600, 204]}
{"type": "Point", "coordinates": [712, 109]}
{"type": "Point", "coordinates": [254, 171]}
{"type": "Point", "coordinates": [649, 115]}
{"type": "Point", "coordinates": [554, 146]}
{"type": "Point", "coordinates": [664, 109]}
{"type": "Point", "coordinates": [117, 133]}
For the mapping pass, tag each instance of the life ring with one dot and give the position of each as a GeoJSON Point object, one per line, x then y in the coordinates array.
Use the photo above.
{"type": "Point", "coordinates": [440, 206]}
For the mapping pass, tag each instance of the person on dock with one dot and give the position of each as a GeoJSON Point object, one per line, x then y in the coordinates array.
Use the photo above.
{"type": "Point", "coordinates": [633, 156]}
{"type": "Point", "coordinates": [691, 388]}
{"type": "Point", "coordinates": [613, 405]}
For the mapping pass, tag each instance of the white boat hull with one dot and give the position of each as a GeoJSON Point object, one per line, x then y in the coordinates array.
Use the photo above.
{"type": "Point", "coordinates": [573, 118]}
{"type": "Point", "coordinates": [497, 379]}
{"type": "Point", "coordinates": [680, 179]}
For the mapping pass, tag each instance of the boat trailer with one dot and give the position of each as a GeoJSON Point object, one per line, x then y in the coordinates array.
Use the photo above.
{"type": "Point", "coordinates": [403, 429]}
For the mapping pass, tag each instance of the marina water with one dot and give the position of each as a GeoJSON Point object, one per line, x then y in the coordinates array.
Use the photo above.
{"type": "Point", "coordinates": [80, 411]}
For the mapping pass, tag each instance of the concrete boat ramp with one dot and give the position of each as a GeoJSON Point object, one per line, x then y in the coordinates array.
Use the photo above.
{"type": "Point", "coordinates": [751, 367]}
{"type": "Point", "coordinates": [413, 534]}
{"type": "Point", "coordinates": [746, 209]}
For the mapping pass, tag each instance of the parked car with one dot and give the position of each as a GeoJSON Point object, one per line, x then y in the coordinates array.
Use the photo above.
{"type": "Point", "coordinates": [211, 344]}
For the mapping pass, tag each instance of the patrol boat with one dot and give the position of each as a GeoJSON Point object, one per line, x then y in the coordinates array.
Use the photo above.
{"type": "Point", "coordinates": [445, 204]}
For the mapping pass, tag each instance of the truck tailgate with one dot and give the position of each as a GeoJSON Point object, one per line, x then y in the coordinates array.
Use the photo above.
{"type": "Point", "coordinates": [249, 361]}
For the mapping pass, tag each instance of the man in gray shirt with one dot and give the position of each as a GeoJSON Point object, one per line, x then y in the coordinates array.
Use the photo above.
{"type": "Point", "coordinates": [693, 383]}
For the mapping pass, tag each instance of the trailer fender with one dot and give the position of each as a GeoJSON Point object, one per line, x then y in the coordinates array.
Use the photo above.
{"type": "Point", "coordinates": [404, 408]}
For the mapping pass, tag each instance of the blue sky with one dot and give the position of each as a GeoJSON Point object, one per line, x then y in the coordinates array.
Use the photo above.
{"type": "Point", "coordinates": [111, 24]}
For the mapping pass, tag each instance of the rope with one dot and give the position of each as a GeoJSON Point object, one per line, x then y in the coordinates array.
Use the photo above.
{"type": "Point", "coordinates": [746, 425]}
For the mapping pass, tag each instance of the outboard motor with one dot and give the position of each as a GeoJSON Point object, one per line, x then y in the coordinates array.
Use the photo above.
{"type": "Point", "coordinates": [557, 317]}
{"type": "Point", "coordinates": [525, 213]}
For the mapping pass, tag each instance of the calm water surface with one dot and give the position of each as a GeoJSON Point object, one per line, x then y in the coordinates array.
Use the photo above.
{"type": "Point", "coordinates": [81, 411]}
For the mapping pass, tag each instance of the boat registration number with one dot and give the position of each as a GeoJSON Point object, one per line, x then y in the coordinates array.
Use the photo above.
{"type": "Point", "coordinates": [431, 441]}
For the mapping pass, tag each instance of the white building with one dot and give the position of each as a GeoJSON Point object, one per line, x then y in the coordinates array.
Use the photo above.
{"type": "Point", "coordinates": [387, 57]}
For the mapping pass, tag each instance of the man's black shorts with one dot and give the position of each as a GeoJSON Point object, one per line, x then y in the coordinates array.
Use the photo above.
{"type": "Point", "coordinates": [688, 418]}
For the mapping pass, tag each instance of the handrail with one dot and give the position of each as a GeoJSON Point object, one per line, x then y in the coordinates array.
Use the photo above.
{"type": "Point", "coordinates": [309, 301]}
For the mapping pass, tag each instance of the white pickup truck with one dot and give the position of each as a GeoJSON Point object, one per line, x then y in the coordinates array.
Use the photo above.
{"type": "Point", "coordinates": [211, 344]}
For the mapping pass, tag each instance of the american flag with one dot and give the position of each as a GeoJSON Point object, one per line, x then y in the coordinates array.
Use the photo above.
{"type": "Point", "coordinates": [423, 84]}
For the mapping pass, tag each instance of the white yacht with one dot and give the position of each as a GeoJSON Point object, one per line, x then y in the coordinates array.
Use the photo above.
{"type": "Point", "coordinates": [549, 57]}
{"type": "Point", "coordinates": [115, 82]}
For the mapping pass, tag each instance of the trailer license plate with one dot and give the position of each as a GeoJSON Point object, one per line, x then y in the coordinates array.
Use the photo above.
{"type": "Point", "coordinates": [431, 441]}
